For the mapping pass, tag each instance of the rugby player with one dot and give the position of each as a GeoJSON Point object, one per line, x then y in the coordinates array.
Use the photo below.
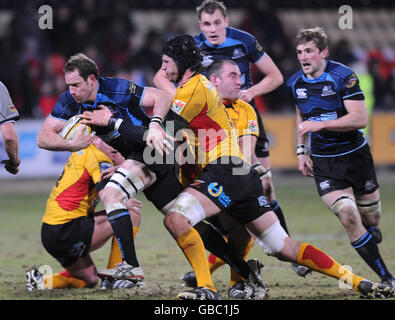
{"type": "Point", "coordinates": [218, 41]}
{"type": "Point", "coordinates": [227, 182]}
{"type": "Point", "coordinates": [71, 228]}
{"type": "Point", "coordinates": [331, 111]}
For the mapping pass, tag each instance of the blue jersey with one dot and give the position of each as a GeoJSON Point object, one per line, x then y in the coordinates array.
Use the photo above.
{"type": "Point", "coordinates": [321, 99]}
{"type": "Point", "coordinates": [123, 98]}
{"type": "Point", "coordinates": [239, 46]}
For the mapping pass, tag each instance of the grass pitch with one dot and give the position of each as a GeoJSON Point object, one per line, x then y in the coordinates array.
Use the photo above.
{"type": "Point", "coordinates": [23, 204]}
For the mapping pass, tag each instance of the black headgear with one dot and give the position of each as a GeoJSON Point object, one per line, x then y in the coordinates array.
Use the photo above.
{"type": "Point", "coordinates": [184, 51]}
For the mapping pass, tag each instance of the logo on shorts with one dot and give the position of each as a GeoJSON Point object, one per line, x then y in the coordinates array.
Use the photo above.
{"type": "Point", "coordinates": [369, 185]}
{"type": "Point", "coordinates": [324, 185]}
{"type": "Point", "coordinates": [217, 191]}
{"type": "Point", "coordinates": [78, 249]}
{"type": "Point", "coordinates": [262, 201]}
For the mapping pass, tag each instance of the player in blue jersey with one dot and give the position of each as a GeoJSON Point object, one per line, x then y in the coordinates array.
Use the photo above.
{"type": "Point", "coordinates": [331, 112]}
{"type": "Point", "coordinates": [218, 41]}
{"type": "Point", "coordinates": [87, 91]}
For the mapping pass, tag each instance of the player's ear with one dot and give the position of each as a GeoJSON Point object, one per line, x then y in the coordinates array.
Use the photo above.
{"type": "Point", "coordinates": [226, 22]}
{"type": "Point", "coordinates": [324, 53]}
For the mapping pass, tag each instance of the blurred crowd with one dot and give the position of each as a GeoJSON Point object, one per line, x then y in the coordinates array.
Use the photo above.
{"type": "Point", "coordinates": [32, 59]}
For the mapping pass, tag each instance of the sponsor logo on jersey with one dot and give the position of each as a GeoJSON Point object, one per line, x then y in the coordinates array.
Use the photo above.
{"type": "Point", "coordinates": [327, 91]}
{"type": "Point", "coordinates": [132, 88]}
{"type": "Point", "coordinates": [258, 46]}
{"type": "Point", "coordinates": [252, 126]}
{"type": "Point", "coordinates": [207, 60]}
{"type": "Point", "coordinates": [369, 185]}
{"type": "Point", "coordinates": [177, 106]}
{"type": "Point", "coordinates": [237, 53]}
{"type": "Point", "coordinates": [11, 106]}
{"type": "Point", "coordinates": [216, 191]}
{"type": "Point", "coordinates": [351, 81]}
{"type": "Point", "coordinates": [301, 93]}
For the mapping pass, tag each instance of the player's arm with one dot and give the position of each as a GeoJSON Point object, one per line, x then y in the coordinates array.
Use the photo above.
{"type": "Point", "coordinates": [161, 81]}
{"type": "Point", "coordinates": [356, 118]}
{"type": "Point", "coordinates": [305, 165]}
{"type": "Point", "coordinates": [10, 143]}
{"type": "Point", "coordinates": [247, 145]}
{"type": "Point", "coordinates": [49, 139]}
{"type": "Point", "coordinates": [272, 80]}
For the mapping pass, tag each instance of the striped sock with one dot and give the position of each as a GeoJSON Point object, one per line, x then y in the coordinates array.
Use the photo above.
{"type": "Point", "coordinates": [367, 248]}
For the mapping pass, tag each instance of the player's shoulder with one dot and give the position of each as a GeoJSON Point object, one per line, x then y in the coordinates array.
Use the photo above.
{"type": "Point", "coordinates": [65, 99]}
{"type": "Point", "coordinates": [113, 85]}
{"type": "Point", "coordinates": [338, 71]}
{"type": "Point", "coordinates": [243, 105]}
{"type": "Point", "coordinates": [240, 35]}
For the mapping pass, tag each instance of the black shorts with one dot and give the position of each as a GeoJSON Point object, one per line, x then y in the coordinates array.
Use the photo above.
{"type": "Point", "coordinates": [69, 241]}
{"type": "Point", "coordinates": [262, 144]}
{"type": "Point", "coordinates": [164, 190]}
{"type": "Point", "coordinates": [241, 195]}
{"type": "Point", "coordinates": [355, 170]}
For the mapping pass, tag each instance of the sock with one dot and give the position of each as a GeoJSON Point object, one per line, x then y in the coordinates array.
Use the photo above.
{"type": "Point", "coordinates": [115, 254]}
{"type": "Point", "coordinates": [280, 215]}
{"type": "Point", "coordinates": [369, 251]}
{"type": "Point", "coordinates": [214, 262]}
{"type": "Point", "coordinates": [317, 260]}
{"type": "Point", "coordinates": [235, 276]}
{"type": "Point", "coordinates": [216, 244]}
{"type": "Point", "coordinates": [192, 246]}
{"type": "Point", "coordinates": [63, 280]}
{"type": "Point", "coordinates": [122, 226]}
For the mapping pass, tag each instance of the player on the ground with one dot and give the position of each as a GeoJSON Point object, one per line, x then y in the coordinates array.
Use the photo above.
{"type": "Point", "coordinates": [71, 228]}
{"type": "Point", "coordinates": [330, 113]}
{"type": "Point", "coordinates": [227, 183]}
{"type": "Point", "coordinates": [8, 115]}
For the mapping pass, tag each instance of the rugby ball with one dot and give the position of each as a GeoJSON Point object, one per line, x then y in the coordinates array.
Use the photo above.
{"type": "Point", "coordinates": [73, 126]}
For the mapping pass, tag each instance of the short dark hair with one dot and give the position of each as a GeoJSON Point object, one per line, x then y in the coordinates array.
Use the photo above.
{"type": "Point", "coordinates": [216, 67]}
{"type": "Point", "coordinates": [83, 64]}
{"type": "Point", "coordinates": [210, 6]}
{"type": "Point", "coordinates": [317, 35]}
{"type": "Point", "coordinates": [185, 52]}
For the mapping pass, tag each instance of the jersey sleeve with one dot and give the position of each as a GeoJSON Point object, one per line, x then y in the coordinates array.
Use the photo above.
{"type": "Point", "coordinates": [135, 94]}
{"type": "Point", "coordinates": [255, 49]}
{"type": "Point", "coordinates": [350, 89]}
{"type": "Point", "coordinates": [251, 122]}
{"type": "Point", "coordinates": [8, 111]}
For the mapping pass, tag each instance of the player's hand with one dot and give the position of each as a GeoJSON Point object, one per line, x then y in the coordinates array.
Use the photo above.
{"type": "Point", "coordinates": [98, 117]}
{"type": "Point", "coordinates": [107, 173]}
{"type": "Point", "coordinates": [134, 205]}
{"type": "Point", "coordinates": [309, 126]}
{"type": "Point", "coordinates": [80, 141]}
{"type": "Point", "coordinates": [246, 95]}
{"type": "Point", "coordinates": [159, 139]}
{"type": "Point", "coordinates": [305, 165]}
{"type": "Point", "coordinates": [10, 166]}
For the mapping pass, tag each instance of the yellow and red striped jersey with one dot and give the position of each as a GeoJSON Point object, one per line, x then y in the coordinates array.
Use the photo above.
{"type": "Point", "coordinates": [74, 194]}
{"type": "Point", "coordinates": [200, 105]}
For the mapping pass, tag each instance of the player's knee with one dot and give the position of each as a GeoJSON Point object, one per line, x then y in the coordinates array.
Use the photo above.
{"type": "Point", "coordinates": [124, 183]}
{"type": "Point", "coordinates": [189, 207]}
{"type": "Point", "coordinates": [344, 205]}
{"type": "Point", "coordinates": [91, 280]}
{"type": "Point", "coordinates": [370, 209]}
{"type": "Point", "coordinates": [272, 240]}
